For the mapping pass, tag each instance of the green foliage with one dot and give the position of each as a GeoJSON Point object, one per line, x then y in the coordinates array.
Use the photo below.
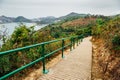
{"type": "Point", "coordinates": [84, 31]}
{"type": "Point", "coordinates": [4, 65]}
{"type": "Point", "coordinates": [79, 31]}
{"type": "Point", "coordinates": [97, 29]}
{"type": "Point", "coordinates": [109, 31]}
{"type": "Point", "coordinates": [116, 42]}
{"type": "Point", "coordinates": [20, 34]}
{"type": "Point", "coordinates": [100, 21]}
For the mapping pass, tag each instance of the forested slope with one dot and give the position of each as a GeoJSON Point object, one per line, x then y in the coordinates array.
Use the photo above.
{"type": "Point", "coordinates": [106, 49]}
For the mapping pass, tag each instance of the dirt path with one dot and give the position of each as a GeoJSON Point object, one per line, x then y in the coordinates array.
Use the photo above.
{"type": "Point", "coordinates": [75, 66]}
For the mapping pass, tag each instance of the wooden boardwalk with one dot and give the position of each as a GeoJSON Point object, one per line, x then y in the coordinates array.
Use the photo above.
{"type": "Point", "coordinates": [75, 66]}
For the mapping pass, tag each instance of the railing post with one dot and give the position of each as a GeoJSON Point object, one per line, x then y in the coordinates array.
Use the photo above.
{"type": "Point", "coordinates": [71, 44]}
{"type": "Point", "coordinates": [82, 36]}
{"type": "Point", "coordinates": [81, 39]}
{"type": "Point", "coordinates": [77, 41]}
{"type": "Point", "coordinates": [63, 48]}
{"type": "Point", "coordinates": [43, 61]}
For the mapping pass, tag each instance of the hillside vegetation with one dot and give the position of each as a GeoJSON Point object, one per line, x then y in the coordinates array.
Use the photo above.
{"type": "Point", "coordinates": [106, 37]}
{"type": "Point", "coordinates": [109, 31]}
{"type": "Point", "coordinates": [106, 49]}
{"type": "Point", "coordinates": [24, 36]}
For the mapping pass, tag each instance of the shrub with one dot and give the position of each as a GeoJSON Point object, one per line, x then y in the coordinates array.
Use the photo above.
{"type": "Point", "coordinates": [116, 42]}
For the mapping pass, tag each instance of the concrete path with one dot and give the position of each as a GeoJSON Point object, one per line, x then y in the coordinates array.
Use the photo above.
{"type": "Point", "coordinates": [75, 66]}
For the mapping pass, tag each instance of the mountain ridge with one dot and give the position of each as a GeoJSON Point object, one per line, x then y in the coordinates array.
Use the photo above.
{"type": "Point", "coordinates": [43, 20]}
{"type": "Point", "coordinates": [73, 15]}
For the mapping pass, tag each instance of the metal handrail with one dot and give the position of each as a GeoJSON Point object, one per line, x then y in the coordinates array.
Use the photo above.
{"type": "Point", "coordinates": [42, 58]}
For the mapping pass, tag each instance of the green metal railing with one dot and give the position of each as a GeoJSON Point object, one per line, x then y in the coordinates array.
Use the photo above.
{"type": "Point", "coordinates": [43, 55]}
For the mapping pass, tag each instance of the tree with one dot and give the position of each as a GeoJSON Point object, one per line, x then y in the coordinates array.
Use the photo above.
{"type": "Point", "coordinates": [3, 34]}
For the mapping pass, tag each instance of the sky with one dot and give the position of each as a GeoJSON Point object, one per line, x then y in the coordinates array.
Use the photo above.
{"type": "Point", "coordinates": [41, 8]}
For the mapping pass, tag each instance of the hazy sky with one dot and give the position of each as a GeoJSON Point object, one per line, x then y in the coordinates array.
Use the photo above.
{"type": "Point", "coordinates": [41, 8]}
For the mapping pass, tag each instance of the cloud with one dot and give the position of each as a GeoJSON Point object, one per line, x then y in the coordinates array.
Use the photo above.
{"type": "Point", "coordinates": [37, 8]}
{"type": "Point", "coordinates": [1, 1]}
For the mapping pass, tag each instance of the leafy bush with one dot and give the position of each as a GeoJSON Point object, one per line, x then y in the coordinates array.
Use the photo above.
{"type": "Point", "coordinates": [116, 42]}
{"type": "Point", "coordinates": [109, 31]}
